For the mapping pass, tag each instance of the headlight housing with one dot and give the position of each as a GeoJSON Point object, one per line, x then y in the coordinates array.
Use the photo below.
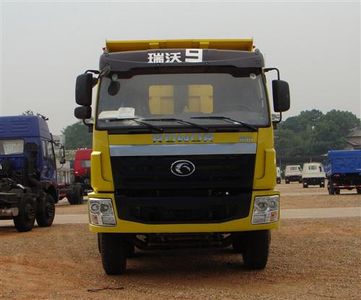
{"type": "Point", "coordinates": [265, 209]}
{"type": "Point", "coordinates": [101, 212]}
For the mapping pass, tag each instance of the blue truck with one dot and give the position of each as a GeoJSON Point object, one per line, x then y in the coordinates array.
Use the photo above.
{"type": "Point", "coordinates": [28, 177]}
{"type": "Point", "coordinates": [343, 170]}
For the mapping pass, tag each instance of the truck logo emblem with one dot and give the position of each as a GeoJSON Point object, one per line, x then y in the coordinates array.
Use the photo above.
{"type": "Point", "coordinates": [182, 168]}
{"type": "Point", "coordinates": [190, 56]}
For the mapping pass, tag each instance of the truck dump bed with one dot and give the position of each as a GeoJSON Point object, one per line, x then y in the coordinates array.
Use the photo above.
{"type": "Point", "coordinates": [224, 44]}
{"type": "Point", "coordinates": [343, 162]}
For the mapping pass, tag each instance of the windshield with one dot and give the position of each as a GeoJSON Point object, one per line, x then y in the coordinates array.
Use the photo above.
{"type": "Point", "coordinates": [199, 100]}
{"type": "Point", "coordinates": [8, 147]}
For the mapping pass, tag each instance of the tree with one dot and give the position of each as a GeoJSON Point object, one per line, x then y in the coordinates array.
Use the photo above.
{"type": "Point", "coordinates": [77, 136]}
{"type": "Point", "coordinates": [311, 134]}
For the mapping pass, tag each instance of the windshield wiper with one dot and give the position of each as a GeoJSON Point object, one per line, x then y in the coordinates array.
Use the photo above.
{"type": "Point", "coordinates": [230, 120]}
{"type": "Point", "coordinates": [179, 121]}
{"type": "Point", "coordinates": [138, 121]}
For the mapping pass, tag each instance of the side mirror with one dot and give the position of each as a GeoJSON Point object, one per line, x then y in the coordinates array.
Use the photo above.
{"type": "Point", "coordinates": [83, 89]}
{"type": "Point", "coordinates": [281, 95]}
{"type": "Point", "coordinates": [83, 112]}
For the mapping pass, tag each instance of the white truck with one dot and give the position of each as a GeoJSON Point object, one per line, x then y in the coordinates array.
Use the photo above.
{"type": "Point", "coordinates": [313, 174]}
{"type": "Point", "coordinates": [293, 173]}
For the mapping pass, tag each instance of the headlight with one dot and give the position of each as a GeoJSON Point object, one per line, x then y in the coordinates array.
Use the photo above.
{"type": "Point", "coordinates": [265, 209]}
{"type": "Point", "coordinates": [101, 212]}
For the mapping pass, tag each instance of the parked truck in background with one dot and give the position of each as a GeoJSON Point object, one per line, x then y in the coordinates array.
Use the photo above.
{"type": "Point", "coordinates": [313, 174]}
{"type": "Point", "coordinates": [293, 173]}
{"type": "Point", "coordinates": [28, 183]}
{"type": "Point", "coordinates": [82, 168]}
{"type": "Point", "coordinates": [343, 170]}
{"type": "Point", "coordinates": [278, 175]}
{"type": "Point", "coordinates": [183, 148]}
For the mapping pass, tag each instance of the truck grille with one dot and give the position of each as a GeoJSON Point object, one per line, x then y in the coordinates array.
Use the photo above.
{"type": "Point", "coordinates": [219, 189]}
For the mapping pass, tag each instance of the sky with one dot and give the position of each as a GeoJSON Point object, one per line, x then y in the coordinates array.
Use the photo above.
{"type": "Point", "coordinates": [46, 44]}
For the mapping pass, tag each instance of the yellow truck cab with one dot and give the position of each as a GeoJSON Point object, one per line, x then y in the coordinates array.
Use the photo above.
{"type": "Point", "coordinates": [183, 150]}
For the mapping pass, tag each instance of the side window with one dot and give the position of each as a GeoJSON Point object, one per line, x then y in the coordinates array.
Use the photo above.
{"type": "Point", "coordinates": [50, 151]}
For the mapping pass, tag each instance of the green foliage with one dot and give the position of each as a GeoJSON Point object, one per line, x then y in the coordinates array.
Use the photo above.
{"type": "Point", "coordinates": [77, 136]}
{"type": "Point", "coordinates": [311, 134]}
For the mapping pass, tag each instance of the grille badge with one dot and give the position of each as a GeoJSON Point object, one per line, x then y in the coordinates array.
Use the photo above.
{"type": "Point", "coordinates": [182, 168]}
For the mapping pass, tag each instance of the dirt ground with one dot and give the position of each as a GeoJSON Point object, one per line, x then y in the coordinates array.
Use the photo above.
{"type": "Point", "coordinates": [309, 259]}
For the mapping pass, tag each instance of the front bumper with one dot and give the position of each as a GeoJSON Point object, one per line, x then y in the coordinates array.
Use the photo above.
{"type": "Point", "coordinates": [243, 223]}
{"type": "Point", "coordinates": [313, 180]}
{"type": "Point", "coordinates": [8, 205]}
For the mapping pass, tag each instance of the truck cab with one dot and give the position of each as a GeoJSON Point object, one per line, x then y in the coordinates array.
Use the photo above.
{"type": "Point", "coordinates": [82, 168]}
{"type": "Point", "coordinates": [293, 173]}
{"type": "Point", "coordinates": [28, 180]}
{"type": "Point", "coordinates": [183, 147]}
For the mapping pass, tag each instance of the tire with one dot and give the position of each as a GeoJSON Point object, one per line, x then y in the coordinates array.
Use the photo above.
{"type": "Point", "coordinates": [305, 185]}
{"type": "Point", "coordinates": [331, 190]}
{"type": "Point", "coordinates": [287, 181]}
{"type": "Point", "coordinates": [114, 250]}
{"type": "Point", "coordinates": [45, 211]}
{"type": "Point", "coordinates": [256, 251]}
{"type": "Point", "coordinates": [337, 191]}
{"type": "Point", "coordinates": [358, 191]}
{"type": "Point", "coordinates": [75, 196]}
{"type": "Point", "coordinates": [25, 220]}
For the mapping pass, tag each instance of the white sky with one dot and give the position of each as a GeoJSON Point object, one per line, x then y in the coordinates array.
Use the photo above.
{"type": "Point", "coordinates": [45, 45]}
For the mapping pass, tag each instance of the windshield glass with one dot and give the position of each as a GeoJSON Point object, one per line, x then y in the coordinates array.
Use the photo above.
{"type": "Point", "coordinates": [206, 99]}
{"type": "Point", "coordinates": [8, 147]}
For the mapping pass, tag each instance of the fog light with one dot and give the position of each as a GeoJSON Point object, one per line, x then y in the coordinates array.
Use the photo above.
{"type": "Point", "coordinates": [101, 212]}
{"type": "Point", "coordinates": [265, 209]}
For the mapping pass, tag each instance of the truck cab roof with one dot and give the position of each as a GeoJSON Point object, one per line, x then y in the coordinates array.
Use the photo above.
{"type": "Point", "coordinates": [12, 127]}
{"type": "Point", "coordinates": [123, 56]}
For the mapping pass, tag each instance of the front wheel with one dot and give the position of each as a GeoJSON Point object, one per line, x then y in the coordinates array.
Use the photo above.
{"type": "Point", "coordinates": [255, 254]}
{"type": "Point", "coordinates": [25, 220]}
{"type": "Point", "coordinates": [331, 190]}
{"type": "Point", "coordinates": [114, 250]}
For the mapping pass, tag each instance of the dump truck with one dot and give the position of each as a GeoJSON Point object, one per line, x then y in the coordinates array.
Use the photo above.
{"type": "Point", "coordinates": [313, 174]}
{"type": "Point", "coordinates": [28, 183]}
{"type": "Point", "coordinates": [183, 147]}
{"type": "Point", "coordinates": [343, 170]}
{"type": "Point", "coordinates": [293, 173]}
